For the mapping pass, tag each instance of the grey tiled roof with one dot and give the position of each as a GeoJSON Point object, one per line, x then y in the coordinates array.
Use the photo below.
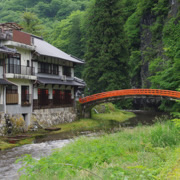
{"type": "Point", "coordinates": [46, 49]}
{"type": "Point", "coordinates": [80, 81]}
{"type": "Point", "coordinates": [4, 49]}
{"type": "Point", "coordinates": [58, 82]}
{"type": "Point", "coordinates": [5, 82]}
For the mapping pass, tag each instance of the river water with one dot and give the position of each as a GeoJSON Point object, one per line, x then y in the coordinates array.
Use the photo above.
{"type": "Point", "coordinates": [44, 146]}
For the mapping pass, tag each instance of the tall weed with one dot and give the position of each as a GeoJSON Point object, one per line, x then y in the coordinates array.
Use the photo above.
{"type": "Point", "coordinates": [164, 134]}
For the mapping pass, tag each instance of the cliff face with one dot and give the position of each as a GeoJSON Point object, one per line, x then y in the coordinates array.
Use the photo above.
{"type": "Point", "coordinates": [174, 7]}
{"type": "Point", "coordinates": [151, 36]}
{"type": "Point", "coordinates": [146, 46]}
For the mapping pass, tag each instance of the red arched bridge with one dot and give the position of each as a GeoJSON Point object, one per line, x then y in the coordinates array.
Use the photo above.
{"type": "Point", "coordinates": [130, 93]}
{"type": "Point", "coordinates": [90, 101]}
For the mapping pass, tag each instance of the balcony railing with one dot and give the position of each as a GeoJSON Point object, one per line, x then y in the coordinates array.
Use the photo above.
{"type": "Point", "coordinates": [48, 71]}
{"type": "Point", "coordinates": [12, 98]}
{"type": "Point", "coordinates": [26, 99]}
{"type": "Point", "coordinates": [18, 69]}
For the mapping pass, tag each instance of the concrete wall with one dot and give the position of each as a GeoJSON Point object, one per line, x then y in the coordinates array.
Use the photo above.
{"type": "Point", "coordinates": [18, 109]}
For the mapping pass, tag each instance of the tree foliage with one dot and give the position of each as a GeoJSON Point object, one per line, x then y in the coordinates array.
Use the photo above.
{"type": "Point", "coordinates": [31, 23]}
{"type": "Point", "coordinates": [106, 56]}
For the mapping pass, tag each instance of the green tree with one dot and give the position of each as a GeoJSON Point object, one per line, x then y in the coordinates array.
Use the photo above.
{"type": "Point", "coordinates": [67, 36]}
{"type": "Point", "coordinates": [106, 56]}
{"type": "Point", "coordinates": [31, 23]}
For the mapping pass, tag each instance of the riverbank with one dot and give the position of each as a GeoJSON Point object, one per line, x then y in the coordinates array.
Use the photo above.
{"type": "Point", "coordinates": [144, 152]}
{"type": "Point", "coordinates": [100, 121]}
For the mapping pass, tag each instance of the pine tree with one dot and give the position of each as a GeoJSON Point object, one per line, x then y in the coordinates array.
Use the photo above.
{"type": "Point", "coordinates": [106, 56]}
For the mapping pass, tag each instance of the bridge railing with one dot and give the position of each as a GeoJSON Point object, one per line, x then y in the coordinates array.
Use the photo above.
{"type": "Point", "coordinates": [131, 92]}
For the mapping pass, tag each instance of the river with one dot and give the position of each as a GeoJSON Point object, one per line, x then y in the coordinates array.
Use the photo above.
{"type": "Point", "coordinates": [44, 146]}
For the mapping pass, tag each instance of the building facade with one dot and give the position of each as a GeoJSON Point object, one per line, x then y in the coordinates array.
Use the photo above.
{"type": "Point", "coordinates": [35, 77]}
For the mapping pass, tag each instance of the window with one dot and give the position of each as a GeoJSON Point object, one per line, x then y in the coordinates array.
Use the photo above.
{"type": "Point", "coordinates": [55, 69]}
{"type": "Point", "coordinates": [28, 63]}
{"type": "Point", "coordinates": [2, 60]}
{"type": "Point", "coordinates": [25, 96]}
{"type": "Point", "coordinates": [68, 97]}
{"type": "Point", "coordinates": [43, 97]}
{"type": "Point", "coordinates": [11, 90]}
{"type": "Point", "coordinates": [67, 71]}
{"type": "Point", "coordinates": [13, 64]}
{"type": "Point", "coordinates": [56, 97]}
{"type": "Point", "coordinates": [11, 95]}
{"type": "Point", "coordinates": [48, 68]}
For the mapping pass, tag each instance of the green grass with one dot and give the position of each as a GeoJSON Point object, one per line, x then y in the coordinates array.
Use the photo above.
{"type": "Point", "coordinates": [119, 116]}
{"type": "Point", "coordinates": [98, 121]}
{"type": "Point", "coordinates": [109, 112]}
{"type": "Point", "coordinates": [129, 154]}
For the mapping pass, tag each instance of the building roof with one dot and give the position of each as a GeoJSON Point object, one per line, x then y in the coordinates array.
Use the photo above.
{"type": "Point", "coordinates": [5, 82]}
{"type": "Point", "coordinates": [58, 82]}
{"type": "Point", "coordinates": [6, 50]}
{"type": "Point", "coordinates": [10, 26]}
{"type": "Point", "coordinates": [81, 81]}
{"type": "Point", "coordinates": [46, 49]}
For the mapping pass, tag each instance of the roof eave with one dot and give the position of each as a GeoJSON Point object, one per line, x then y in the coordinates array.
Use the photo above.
{"type": "Point", "coordinates": [80, 62]}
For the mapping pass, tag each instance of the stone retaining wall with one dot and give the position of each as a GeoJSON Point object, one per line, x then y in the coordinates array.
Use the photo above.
{"type": "Point", "coordinates": [16, 124]}
{"type": "Point", "coordinates": [49, 117]}
{"type": "Point", "coordinates": [39, 119]}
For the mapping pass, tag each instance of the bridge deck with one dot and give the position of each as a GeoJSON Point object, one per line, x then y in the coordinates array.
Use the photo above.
{"type": "Point", "coordinates": [131, 92]}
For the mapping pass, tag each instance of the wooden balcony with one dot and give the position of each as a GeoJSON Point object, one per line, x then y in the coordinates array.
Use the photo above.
{"type": "Point", "coordinates": [50, 105]}
{"type": "Point", "coordinates": [11, 98]}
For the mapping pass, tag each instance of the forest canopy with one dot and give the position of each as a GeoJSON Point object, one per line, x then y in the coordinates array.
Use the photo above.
{"type": "Point", "coordinates": [125, 43]}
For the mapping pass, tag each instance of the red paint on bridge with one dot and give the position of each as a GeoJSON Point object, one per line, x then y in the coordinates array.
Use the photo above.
{"type": "Point", "coordinates": [131, 92]}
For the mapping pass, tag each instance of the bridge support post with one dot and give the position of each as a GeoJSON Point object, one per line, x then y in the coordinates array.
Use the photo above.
{"type": "Point", "coordinates": [86, 113]}
{"type": "Point", "coordinates": [82, 111]}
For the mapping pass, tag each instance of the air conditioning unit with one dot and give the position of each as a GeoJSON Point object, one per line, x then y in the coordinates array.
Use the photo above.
{"type": "Point", "coordinates": [64, 77]}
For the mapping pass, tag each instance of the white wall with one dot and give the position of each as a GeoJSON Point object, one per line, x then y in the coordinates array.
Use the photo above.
{"type": "Point", "coordinates": [72, 72]}
{"type": "Point", "coordinates": [35, 65]}
{"type": "Point", "coordinates": [25, 55]}
{"type": "Point", "coordinates": [1, 72]}
{"type": "Point", "coordinates": [60, 71]}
